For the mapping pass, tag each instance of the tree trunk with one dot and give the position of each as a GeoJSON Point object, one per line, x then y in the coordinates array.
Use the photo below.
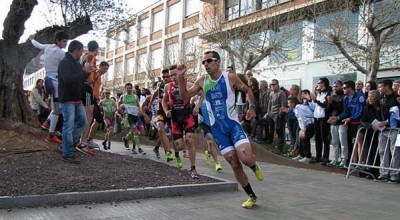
{"type": "Point", "coordinates": [14, 105]}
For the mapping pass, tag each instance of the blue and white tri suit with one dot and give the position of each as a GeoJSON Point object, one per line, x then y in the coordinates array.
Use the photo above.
{"type": "Point", "coordinates": [221, 108]}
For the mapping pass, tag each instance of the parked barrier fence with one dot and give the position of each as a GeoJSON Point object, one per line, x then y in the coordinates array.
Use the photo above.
{"type": "Point", "coordinates": [380, 150]}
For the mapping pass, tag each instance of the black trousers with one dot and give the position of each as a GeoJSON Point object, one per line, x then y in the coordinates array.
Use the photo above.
{"type": "Point", "coordinates": [322, 130]}
{"type": "Point", "coordinates": [305, 144]}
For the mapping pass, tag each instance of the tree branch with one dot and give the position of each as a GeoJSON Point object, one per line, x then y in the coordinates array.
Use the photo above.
{"type": "Point", "coordinates": [337, 42]}
{"type": "Point", "coordinates": [46, 36]}
{"type": "Point", "coordinates": [20, 12]}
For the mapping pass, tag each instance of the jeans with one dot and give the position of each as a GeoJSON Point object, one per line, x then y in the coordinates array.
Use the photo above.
{"type": "Point", "coordinates": [339, 142]}
{"type": "Point", "coordinates": [267, 125]}
{"type": "Point", "coordinates": [74, 122]}
{"type": "Point", "coordinates": [387, 148]}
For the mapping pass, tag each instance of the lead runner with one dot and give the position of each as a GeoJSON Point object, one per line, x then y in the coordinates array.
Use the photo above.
{"type": "Point", "coordinates": [232, 141]}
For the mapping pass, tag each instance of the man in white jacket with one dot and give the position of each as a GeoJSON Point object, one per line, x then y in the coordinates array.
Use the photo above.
{"type": "Point", "coordinates": [53, 54]}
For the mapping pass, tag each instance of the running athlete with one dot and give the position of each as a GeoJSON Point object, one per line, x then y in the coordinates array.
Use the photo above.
{"type": "Point", "coordinates": [87, 95]}
{"type": "Point", "coordinates": [109, 107]}
{"type": "Point", "coordinates": [182, 121]}
{"type": "Point", "coordinates": [232, 141]}
{"type": "Point", "coordinates": [204, 124]}
{"type": "Point", "coordinates": [129, 102]}
{"type": "Point", "coordinates": [53, 54]}
{"type": "Point", "coordinates": [161, 119]}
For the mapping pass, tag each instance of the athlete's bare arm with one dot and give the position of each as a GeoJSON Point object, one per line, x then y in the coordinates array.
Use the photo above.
{"type": "Point", "coordinates": [165, 99]}
{"type": "Point", "coordinates": [193, 90]}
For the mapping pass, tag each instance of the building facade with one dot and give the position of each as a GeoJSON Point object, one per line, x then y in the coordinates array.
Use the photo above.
{"type": "Point", "coordinates": [163, 34]}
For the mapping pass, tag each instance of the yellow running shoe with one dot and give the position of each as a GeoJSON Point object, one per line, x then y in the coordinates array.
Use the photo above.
{"type": "Point", "coordinates": [207, 158]}
{"type": "Point", "coordinates": [179, 162]}
{"type": "Point", "coordinates": [251, 201]}
{"type": "Point", "coordinates": [218, 167]}
{"type": "Point", "coordinates": [258, 173]}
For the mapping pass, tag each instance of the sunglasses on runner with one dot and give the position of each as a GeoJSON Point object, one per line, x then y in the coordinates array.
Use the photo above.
{"type": "Point", "coordinates": [209, 60]}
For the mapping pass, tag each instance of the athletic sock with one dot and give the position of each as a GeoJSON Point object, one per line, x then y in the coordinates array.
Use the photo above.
{"type": "Point", "coordinates": [249, 190]}
{"type": "Point", "coordinates": [136, 140]}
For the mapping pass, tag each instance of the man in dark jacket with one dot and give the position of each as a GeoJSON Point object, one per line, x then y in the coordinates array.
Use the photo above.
{"type": "Point", "coordinates": [388, 136]}
{"type": "Point", "coordinates": [70, 81]}
{"type": "Point", "coordinates": [338, 129]}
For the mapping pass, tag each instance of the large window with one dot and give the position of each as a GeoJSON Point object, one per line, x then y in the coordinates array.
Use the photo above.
{"type": "Point", "coordinates": [192, 7]}
{"type": "Point", "coordinates": [271, 3]}
{"type": "Point", "coordinates": [121, 37]}
{"type": "Point", "coordinates": [129, 64]}
{"type": "Point", "coordinates": [289, 41]}
{"type": "Point", "coordinates": [144, 27]}
{"type": "Point", "coordinates": [132, 33]}
{"type": "Point", "coordinates": [191, 47]}
{"type": "Point", "coordinates": [119, 70]}
{"type": "Point", "coordinates": [110, 73]}
{"type": "Point", "coordinates": [174, 13]}
{"type": "Point", "coordinates": [156, 59]}
{"type": "Point", "coordinates": [142, 63]}
{"type": "Point", "coordinates": [158, 21]}
{"type": "Point", "coordinates": [172, 54]}
{"type": "Point", "coordinates": [344, 21]}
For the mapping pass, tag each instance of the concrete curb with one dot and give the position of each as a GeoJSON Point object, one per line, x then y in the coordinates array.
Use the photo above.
{"type": "Point", "coordinates": [7, 202]}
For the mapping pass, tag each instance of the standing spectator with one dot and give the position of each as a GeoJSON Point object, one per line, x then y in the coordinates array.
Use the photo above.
{"type": "Point", "coordinates": [359, 86]}
{"type": "Point", "coordinates": [321, 125]}
{"type": "Point", "coordinates": [263, 123]}
{"type": "Point", "coordinates": [71, 76]}
{"type": "Point", "coordinates": [38, 103]}
{"type": "Point", "coordinates": [388, 136]}
{"type": "Point", "coordinates": [240, 99]}
{"type": "Point", "coordinates": [352, 110]}
{"type": "Point", "coordinates": [366, 150]}
{"type": "Point", "coordinates": [249, 74]}
{"type": "Point", "coordinates": [277, 100]}
{"type": "Point", "coordinates": [253, 84]}
{"type": "Point", "coordinates": [370, 85]}
{"type": "Point", "coordinates": [305, 115]}
{"type": "Point", "coordinates": [396, 86]}
{"type": "Point", "coordinates": [338, 129]}
{"type": "Point", "coordinates": [53, 54]}
{"type": "Point", "coordinates": [295, 97]}
{"type": "Point", "coordinates": [230, 69]}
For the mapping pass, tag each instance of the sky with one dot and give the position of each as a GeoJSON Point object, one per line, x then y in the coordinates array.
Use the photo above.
{"type": "Point", "coordinates": [37, 21]}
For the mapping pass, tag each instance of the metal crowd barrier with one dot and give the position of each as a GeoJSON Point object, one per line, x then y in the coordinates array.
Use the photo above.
{"type": "Point", "coordinates": [365, 161]}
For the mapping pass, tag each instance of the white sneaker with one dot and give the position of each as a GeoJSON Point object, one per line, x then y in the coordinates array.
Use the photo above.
{"type": "Point", "coordinates": [297, 158]}
{"type": "Point", "coordinates": [305, 160]}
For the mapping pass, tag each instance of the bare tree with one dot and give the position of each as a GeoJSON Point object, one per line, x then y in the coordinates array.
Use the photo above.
{"type": "Point", "coordinates": [250, 39]}
{"type": "Point", "coordinates": [365, 32]}
{"type": "Point", "coordinates": [14, 56]}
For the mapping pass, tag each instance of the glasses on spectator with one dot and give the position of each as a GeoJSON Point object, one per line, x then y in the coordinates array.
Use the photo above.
{"type": "Point", "coordinates": [360, 84]}
{"type": "Point", "coordinates": [209, 60]}
{"type": "Point", "coordinates": [345, 87]}
{"type": "Point", "coordinates": [165, 77]}
{"type": "Point", "coordinates": [272, 84]}
{"type": "Point", "coordinates": [106, 93]}
{"type": "Point", "coordinates": [319, 82]}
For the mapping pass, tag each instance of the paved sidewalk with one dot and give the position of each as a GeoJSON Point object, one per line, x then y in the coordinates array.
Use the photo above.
{"type": "Point", "coordinates": [286, 193]}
